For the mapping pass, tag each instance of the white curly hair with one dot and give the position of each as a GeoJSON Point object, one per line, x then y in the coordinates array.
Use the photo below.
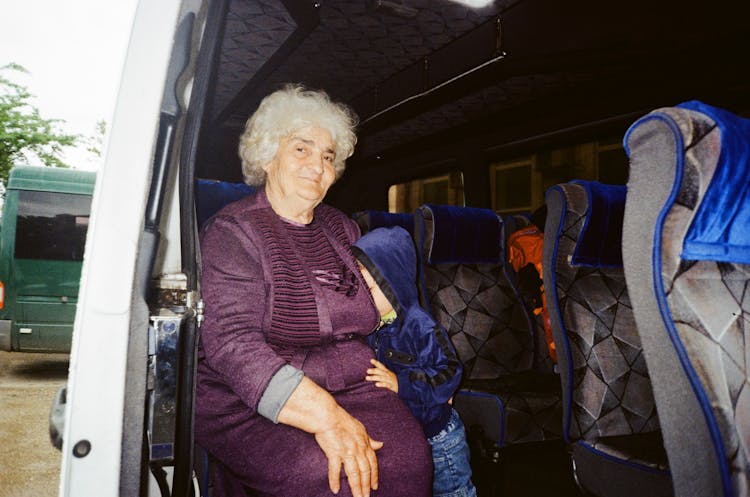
{"type": "Point", "coordinates": [281, 114]}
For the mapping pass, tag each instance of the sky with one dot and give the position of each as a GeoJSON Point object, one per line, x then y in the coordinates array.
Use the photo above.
{"type": "Point", "coordinates": [74, 51]}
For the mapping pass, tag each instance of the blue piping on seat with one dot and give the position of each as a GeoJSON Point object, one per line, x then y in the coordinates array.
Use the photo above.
{"type": "Point", "coordinates": [666, 315]}
{"type": "Point", "coordinates": [623, 462]}
{"type": "Point", "coordinates": [552, 287]}
{"type": "Point", "coordinates": [474, 393]}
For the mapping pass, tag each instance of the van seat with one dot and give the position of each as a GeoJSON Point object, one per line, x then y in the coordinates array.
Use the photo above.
{"type": "Point", "coordinates": [463, 283]}
{"type": "Point", "coordinates": [610, 418]}
{"type": "Point", "coordinates": [686, 248]}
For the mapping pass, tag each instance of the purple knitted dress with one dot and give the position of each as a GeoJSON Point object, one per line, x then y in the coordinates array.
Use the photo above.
{"type": "Point", "coordinates": [278, 293]}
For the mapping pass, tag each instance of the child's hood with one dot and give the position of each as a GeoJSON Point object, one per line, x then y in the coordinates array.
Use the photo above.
{"type": "Point", "coordinates": [390, 257]}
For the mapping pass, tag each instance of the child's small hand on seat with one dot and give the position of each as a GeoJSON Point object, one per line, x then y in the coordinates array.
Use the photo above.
{"type": "Point", "coordinates": [382, 376]}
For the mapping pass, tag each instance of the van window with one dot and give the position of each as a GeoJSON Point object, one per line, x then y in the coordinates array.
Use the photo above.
{"type": "Point", "coordinates": [447, 189]}
{"type": "Point", "coordinates": [51, 225]}
{"type": "Point", "coordinates": [512, 185]}
{"type": "Point", "coordinates": [519, 184]}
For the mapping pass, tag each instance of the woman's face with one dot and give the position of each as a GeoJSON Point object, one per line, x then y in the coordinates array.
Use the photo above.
{"type": "Point", "coordinates": [302, 169]}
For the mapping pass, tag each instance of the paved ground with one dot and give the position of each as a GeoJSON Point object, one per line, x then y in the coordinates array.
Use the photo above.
{"type": "Point", "coordinates": [29, 465]}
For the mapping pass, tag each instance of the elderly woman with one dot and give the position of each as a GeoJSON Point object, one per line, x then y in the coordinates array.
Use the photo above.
{"type": "Point", "coordinates": [282, 403]}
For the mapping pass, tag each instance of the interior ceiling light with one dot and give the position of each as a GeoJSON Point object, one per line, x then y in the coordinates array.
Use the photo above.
{"type": "Point", "coordinates": [473, 4]}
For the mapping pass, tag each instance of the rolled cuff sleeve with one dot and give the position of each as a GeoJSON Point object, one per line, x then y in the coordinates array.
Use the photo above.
{"type": "Point", "coordinates": [279, 389]}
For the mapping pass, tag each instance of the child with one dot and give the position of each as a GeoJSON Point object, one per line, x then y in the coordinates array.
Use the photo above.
{"type": "Point", "coordinates": [415, 357]}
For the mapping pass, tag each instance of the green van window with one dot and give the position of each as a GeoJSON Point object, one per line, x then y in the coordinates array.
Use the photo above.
{"type": "Point", "coordinates": [51, 226]}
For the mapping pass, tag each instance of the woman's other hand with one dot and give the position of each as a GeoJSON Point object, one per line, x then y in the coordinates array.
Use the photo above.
{"type": "Point", "coordinates": [382, 376]}
{"type": "Point", "coordinates": [343, 439]}
{"type": "Point", "coordinates": [347, 442]}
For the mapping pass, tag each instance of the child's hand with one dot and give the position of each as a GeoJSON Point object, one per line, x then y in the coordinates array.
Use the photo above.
{"type": "Point", "coordinates": [382, 376]}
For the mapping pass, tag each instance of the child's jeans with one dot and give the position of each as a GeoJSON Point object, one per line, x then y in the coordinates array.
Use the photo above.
{"type": "Point", "coordinates": [450, 456]}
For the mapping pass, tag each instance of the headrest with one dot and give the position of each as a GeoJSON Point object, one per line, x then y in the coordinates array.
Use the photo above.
{"type": "Point", "coordinates": [514, 222]}
{"type": "Point", "coordinates": [212, 195]}
{"type": "Point", "coordinates": [464, 235]}
{"type": "Point", "coordinates": [600, 241]}
{"type": "Point", "coordinates": [368, 220]}
{"type": "Point", "coordinates": [720, 230]}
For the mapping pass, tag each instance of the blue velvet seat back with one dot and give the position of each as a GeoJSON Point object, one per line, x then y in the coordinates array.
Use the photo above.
{"type": "Point", "coordinates": [600, 241]}
{"type": "Point", "coordinates": [464, 235]}
{"type": "Point", "coordinates": [368, 220]}
{"type": "Point", "coordinates": [720, 230]}
{"type": "Point", "coordinates": [212, 195]}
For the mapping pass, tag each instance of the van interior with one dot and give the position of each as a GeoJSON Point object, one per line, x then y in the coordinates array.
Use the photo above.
{"type": "Point", "coordinates": [452, 97]}
{"type": "Point", "coordinates": [462, 104]}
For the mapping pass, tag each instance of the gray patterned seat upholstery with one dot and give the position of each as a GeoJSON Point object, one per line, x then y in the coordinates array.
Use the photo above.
{"type": "Point", "coordinates": [610, 419]}
{"type": "Point", "coordinates": [473, 298]}
{"type": "Point", "coordinates": [693, 309]}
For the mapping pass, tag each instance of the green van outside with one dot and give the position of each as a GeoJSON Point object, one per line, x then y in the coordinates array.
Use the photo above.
{"type": "Point", "coordinates": [42, 238]}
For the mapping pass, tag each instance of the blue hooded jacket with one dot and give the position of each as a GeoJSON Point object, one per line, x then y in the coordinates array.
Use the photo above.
{"type": "Point", "coordinates": [414, 346]}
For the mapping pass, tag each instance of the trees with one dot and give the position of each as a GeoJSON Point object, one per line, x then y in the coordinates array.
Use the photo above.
{"type": "Point", "coordinates": [95, 143]}
{"type": "Point", "coordinates": [24, 133]}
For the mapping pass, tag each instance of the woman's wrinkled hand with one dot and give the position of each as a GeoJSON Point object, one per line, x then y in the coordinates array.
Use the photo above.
{"type": "Point", "coordinates": [347, 442]}
{"type": "Point", "coordinates": [343, 439]}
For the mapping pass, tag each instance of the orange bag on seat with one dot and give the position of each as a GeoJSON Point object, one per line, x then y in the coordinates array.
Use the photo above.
{"type": "Point", "coordinates": [525, 247]}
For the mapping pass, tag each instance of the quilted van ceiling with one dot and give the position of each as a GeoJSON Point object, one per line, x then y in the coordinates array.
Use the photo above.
{"type": "Point", "coordinates": [421, 70]}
